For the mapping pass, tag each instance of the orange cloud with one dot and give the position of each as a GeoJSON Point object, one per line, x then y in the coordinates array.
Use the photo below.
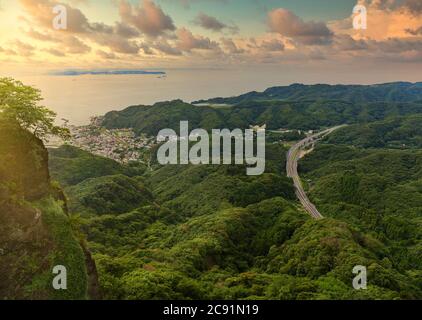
{"type": "Point", "coordinates": [187, 41]}
{"type": "Point", "coordinates": [148, 18]}
{"type": "Point", "coordinates": [385, 19]}
{"type": "Point", "coordinates": [290, 25]}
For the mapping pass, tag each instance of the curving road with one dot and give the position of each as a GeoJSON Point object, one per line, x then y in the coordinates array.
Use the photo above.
{"type": "Point", "coordinates": [293, 156]}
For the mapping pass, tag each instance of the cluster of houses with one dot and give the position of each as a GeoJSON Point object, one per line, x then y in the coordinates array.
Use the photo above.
{"type": "Point", "coordinates": [121, 145]}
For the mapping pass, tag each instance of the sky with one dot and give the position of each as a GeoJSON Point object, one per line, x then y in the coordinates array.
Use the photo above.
{"type": "Point", "coordinates": [215, 34]}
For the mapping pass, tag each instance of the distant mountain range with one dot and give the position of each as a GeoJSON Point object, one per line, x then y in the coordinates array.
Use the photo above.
{"type": "Point", "coordinates": [387, 92]}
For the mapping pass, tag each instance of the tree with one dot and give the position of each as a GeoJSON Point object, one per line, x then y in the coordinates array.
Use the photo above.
{"type": "Point", "coordinates": [20, 103]}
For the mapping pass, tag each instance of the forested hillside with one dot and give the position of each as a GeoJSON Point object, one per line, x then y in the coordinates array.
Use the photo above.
{"type": "Point", "coordinates": [295, 107]}
{"type": "Point", "coordinates": [395, 132]}
{"type": "Point", "coordinates": [387, 92]}
{"type": "Point", "coordinates": [210, 232]}
{"type": "Point", "coordinates": [379, 191]}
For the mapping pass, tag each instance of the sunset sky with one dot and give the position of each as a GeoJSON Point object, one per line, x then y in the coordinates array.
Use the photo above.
{"type": "Point", "coordinates": [210, 34]}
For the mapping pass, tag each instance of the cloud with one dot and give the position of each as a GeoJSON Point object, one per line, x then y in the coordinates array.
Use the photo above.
{"type": "Point", "coordinates": [208, 22]}
{"type": "Point", "coordinates": [396, 45]}
{"type": "Point", "coordinates": [186, 41]}
{"type": "Point", "coordinates": [106, 55]}
{"type": "Point", "coordinates": [415, 32]}
{"type": "Point", "coordinates": [41, 36]}
{"type": "Point", "coordinates": [55, 52]}
{"type": "Point", "coordinates": [414, 6]}
{"type": "Point", "coordinates": [347, 43]}
{"type": "Point", "coordinates": [126, 31]}
{"type": "Point", "coordinates": [386, 19]}
{"type": "Point", "coordinates": [8, 52]}
{"type": "Point", "coordinates": [397, 50]}
{"type": "Point", "coordinates": [116, 43]}
{"type": "Point", "coordinates": [42, 12]}
{"type": "Point", "coordinates": [148, 18]}
{"type": "Point", "coordinates": [394, 34]}
{"type": "Point", "coordinates": [22, 49]}
{"type": "Point", "coordinates": [164, 47]}
{"type": "Point", "coordinates": [231, 47]}
{"type": "Point", "coordinates": [187, 3]}
{"type": "Point", "coordinates": [116, 37]}
{"type": "Point", "coordinates": [272, 45]}
{"type": "Point", "coordinates": [213, 24]}
{"type": "Point", "coordinates": [289, 25]}
{"type": "Point", "coordinates": [66, 43]}
{"type": "Point", "coordinates": [75, 46]}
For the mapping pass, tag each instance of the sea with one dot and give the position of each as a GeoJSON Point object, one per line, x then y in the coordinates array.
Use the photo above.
{"type": "Point", "coordinates": [78, 98]}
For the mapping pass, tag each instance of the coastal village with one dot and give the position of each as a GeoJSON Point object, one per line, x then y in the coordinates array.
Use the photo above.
{"type": "Point", "coordinates": [121, 145]}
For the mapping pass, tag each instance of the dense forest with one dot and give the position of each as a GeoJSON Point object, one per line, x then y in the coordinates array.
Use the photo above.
{"type": "Point", "coordinates": [395, 133]}
{"type": "Point", "coordinates": [386, 92]}
{"type": "Point", "coordinates": [140, 231]}
{"type": "Point", "coordinates": [296, 107]}
{"type": "Point", "coordinates": [207, 232]}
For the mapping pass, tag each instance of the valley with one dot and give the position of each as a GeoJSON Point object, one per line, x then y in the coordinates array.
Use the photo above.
{"type": "Point", "coordinates": [294, 154]}
{"type": "Point", "coordinates": [211, 232]}
{"type": "Point", "coordinates": [228, 236]}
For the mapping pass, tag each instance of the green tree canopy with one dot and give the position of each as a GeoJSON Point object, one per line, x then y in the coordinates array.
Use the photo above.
{"type": "Point", "coordinates": [20, 103]}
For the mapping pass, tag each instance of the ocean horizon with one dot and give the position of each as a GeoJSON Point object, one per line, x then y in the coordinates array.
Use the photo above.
{"type": "Point", "coordinates": [85, 93]}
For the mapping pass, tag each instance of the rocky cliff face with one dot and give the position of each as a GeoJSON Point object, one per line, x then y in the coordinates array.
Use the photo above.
{"type": "Point", "coordinates": [23, 162]}
{"type": "Point", "coordinates": [35, 231]}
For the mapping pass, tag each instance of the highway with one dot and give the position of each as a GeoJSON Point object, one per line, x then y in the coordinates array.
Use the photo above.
{"type": "Point", "coordinates": [293, 156]}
